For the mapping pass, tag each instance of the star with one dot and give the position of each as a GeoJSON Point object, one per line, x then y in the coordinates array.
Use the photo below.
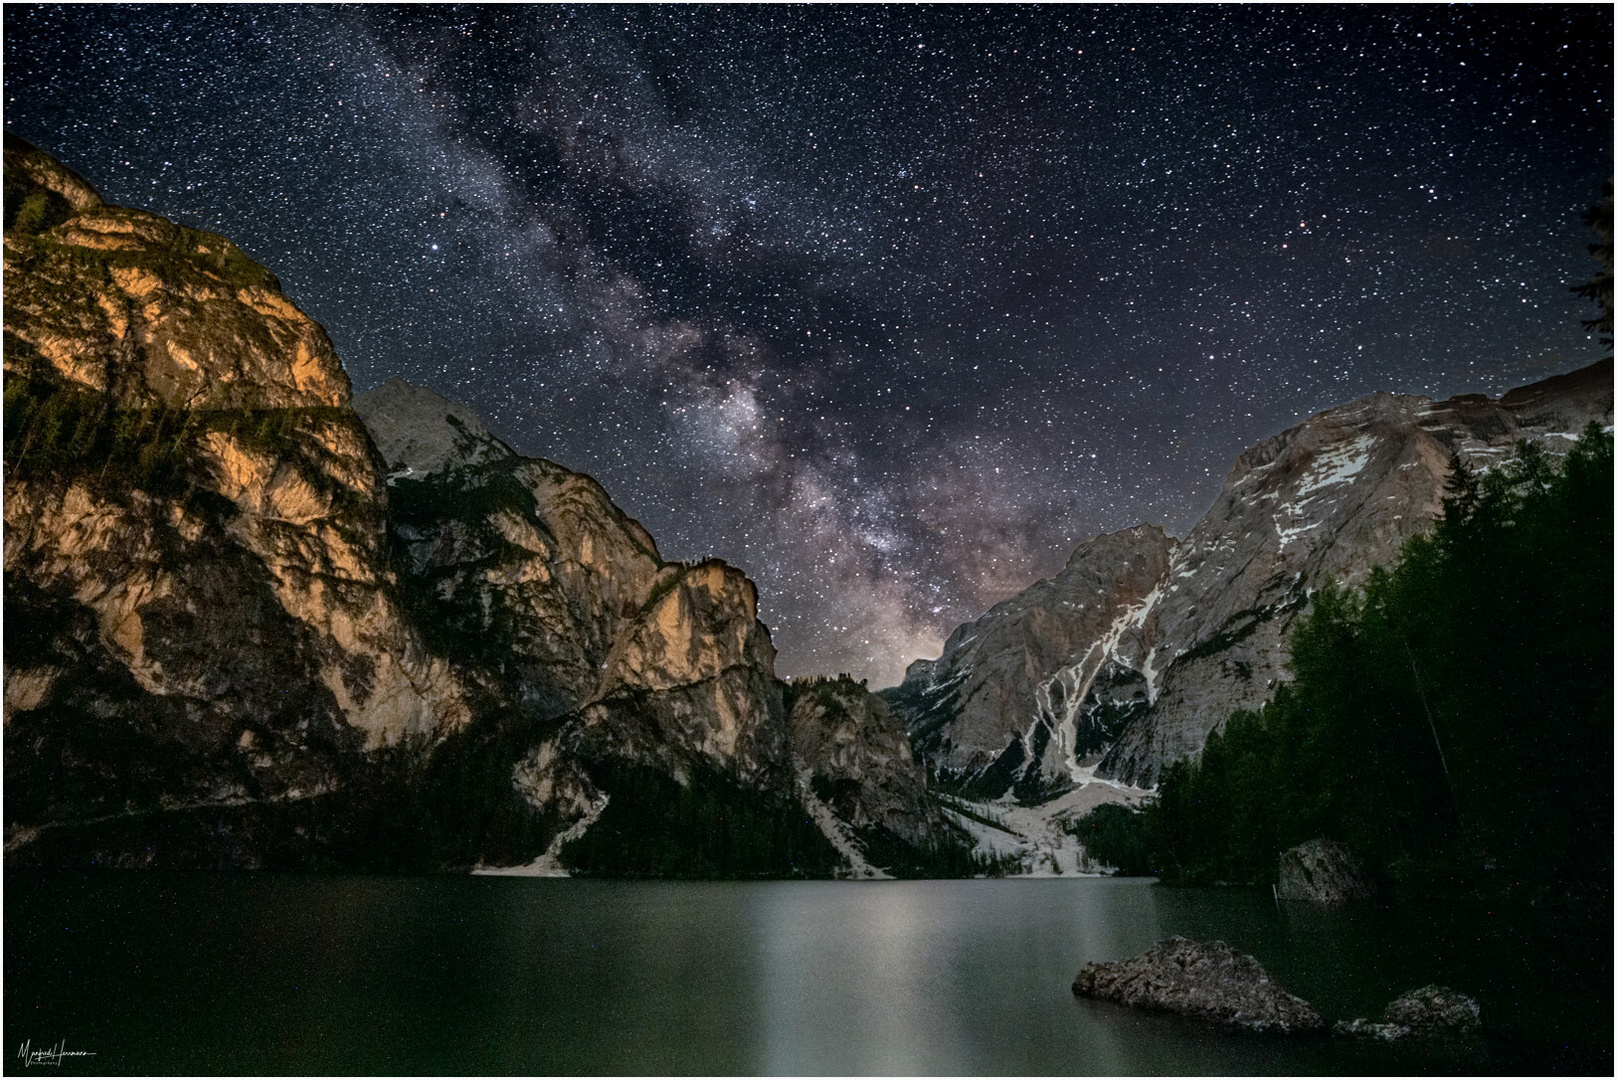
{"type": "Point", "coordinates": [889, 307]}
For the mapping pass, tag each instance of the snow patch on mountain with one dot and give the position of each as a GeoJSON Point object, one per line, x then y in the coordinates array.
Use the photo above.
{"type": "Point", "coordinates": [1151, 674]}
{"type": "Point", "coordinates": [857, 868]}
{"type": "Point", "coordinates": [549, 864]}
{"type": "Point", "coordinates": [1288, 534]}
{"type": "Point", "coordinates": [1338, 465]}
{"type": "Point", "coordinates": [1038, 838]}
{"type": "Point", "coordinates": [1073, 683]}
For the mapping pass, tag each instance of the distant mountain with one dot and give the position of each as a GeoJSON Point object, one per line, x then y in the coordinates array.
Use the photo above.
{"type": "Point", "coordinates": [1142, 645]}
{"type": "Point", "coordinates": [255, 622]}
{"type": "Point", "coordinates": [1036, 688]}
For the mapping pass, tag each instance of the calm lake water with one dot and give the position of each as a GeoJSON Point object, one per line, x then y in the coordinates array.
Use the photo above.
{"type": "Point", "coordinates": [279, 973]}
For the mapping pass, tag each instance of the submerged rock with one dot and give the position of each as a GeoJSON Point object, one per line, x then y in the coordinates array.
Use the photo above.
{"type": "Point", "coordinates": [1432, 1013]}
{"type": "Point", "coordinates": [1209, 980]}
{"type": "Point", "coordinates": [1321, 872]}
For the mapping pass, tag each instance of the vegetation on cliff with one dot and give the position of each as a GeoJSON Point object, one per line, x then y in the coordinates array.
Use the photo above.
{"type": "Point", "coordinates": [710, 826]}
{"type": "Point", "coordinates": [1450, 722]}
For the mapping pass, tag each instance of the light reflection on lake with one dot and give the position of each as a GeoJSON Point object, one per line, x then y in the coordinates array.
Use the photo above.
{"type": "Point", "coordinates": [276, 973]}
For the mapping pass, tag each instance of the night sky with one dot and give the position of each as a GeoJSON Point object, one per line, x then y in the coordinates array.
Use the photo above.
{"type": "Point", "coordinates": [890, 307]}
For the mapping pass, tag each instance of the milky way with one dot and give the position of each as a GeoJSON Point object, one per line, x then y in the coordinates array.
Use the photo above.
{"type": "Point", "coordinates": [890, 307]}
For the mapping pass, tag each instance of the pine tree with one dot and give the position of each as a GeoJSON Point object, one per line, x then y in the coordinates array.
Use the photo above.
{"type": "Point", "coordinates": [1598, 288]}
{"type": "Point", "coordinates": [1461, 490]}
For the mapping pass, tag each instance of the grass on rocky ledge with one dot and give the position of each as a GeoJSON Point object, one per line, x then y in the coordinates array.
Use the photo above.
{"type": "Point", "coordinates": [57, 431]}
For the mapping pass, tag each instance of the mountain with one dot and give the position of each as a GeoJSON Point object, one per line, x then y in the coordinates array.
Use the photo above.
{"type": "Point", "coordinates": [195, 541]}
{"type": "Point", "coordinates": [1036, 684]}
{"type": "Point", "coordinates": [257, 621]}
{"type": "Point", "coordinates": [1142, 645]}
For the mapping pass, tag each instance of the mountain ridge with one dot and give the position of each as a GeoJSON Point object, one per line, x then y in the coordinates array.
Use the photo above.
{"type": "Point", "coordinates": [1326, 499]}
{"type": "Point", "coordinates": [259, 621]}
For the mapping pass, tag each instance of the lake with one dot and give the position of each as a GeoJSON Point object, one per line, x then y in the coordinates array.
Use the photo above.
{"type": "Point", "coordinates": [284, 973]}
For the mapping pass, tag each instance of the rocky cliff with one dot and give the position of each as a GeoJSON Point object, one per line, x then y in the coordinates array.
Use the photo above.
{"type": "Point", "coordinates": [254, 622]}
{"type": "Point", "coordinates": [1180, 633]}
{"type": "Point", "coordinates": [1038, 686]}
{"type": "Point", "coordinates": [195, 541]}
{"type": "Point", "coordinates": [558, 608]}
{"type": "Point", "coordinates": [857, 773]}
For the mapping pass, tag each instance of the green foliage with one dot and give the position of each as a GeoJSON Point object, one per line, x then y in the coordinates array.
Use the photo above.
{"type": "Point", "coordinates": [1116, 835]}
{"type": "Point", "coordinates": [30, 209]}
{"type": "Point", "coordinates": [946, 859]}
{"type": "Point", "coordinates": [180, 255]}
{"type": "Point", "coordinates": [455, 800]}
{"type": "Point", "coordinates": [664, 585]}
{"type": "Point", "coordinates": [1451, 721]}
{"type": "Point", "coordinates": [982, 813]}
{"type": "Point", "coordinates": [833, 693]}
{"type": "Point", "coordinates": [65, 432]}
{"type": "Point", "coordinates": [709, 827]}
{"type": "Point", "coordinates": [455, 619]}
{"type": "Point", "coordinates": [1598, 289]}
{"type": "Point", "coordinates": [470, 494]}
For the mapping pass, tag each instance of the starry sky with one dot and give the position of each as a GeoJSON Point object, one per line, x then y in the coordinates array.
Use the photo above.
{"type": "Point", "coordinates": [890, 307]}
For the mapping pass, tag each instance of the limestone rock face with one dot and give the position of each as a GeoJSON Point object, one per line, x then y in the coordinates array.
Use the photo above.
{"type": "Point", "coordinates": [1321, 872]}
{"type": "Point", "coordinates": [1209, 616]}
{"type": "Point", "coordinates": [563, 611]}
{"type": "Point", "coordinates": [852, 754]}
{"type": "Point", "coordinates": [131, 305]}
{"type": "Point", "coordinates": [252, 622]}
{"type": "Point", "coordinates": [1209, 981]}
{"type": "Point", "coordinates": [40, 176]}
{"type": "Point", "coordinates": [1035, 687]}
{"type": "Point", "coordinates": [419, 432]}
{"type": "Point", "coordinates": [197, 587]}
{"type": "Point", "coordinates": [703, 667]}
{"type": "Point", "coordinates": [559, 604]}
{"type": "Point", "coordinates": [1324, 501]}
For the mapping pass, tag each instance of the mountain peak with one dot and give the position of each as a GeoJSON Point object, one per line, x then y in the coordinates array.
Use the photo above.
{"type": "Point", "coordinates": [24, 160]}
{"type": "Point", "coordinates": [1142, 645]}
{"type": "Point", "coordinates": [421, 432]}
{"type": "Point", "coordinates": [128, 304]}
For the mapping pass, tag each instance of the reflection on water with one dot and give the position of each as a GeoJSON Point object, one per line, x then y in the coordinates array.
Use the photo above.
{"type": "Point", "coordinates": [880, 963]}
{"type": "Point", "coordinates": [254, 973]}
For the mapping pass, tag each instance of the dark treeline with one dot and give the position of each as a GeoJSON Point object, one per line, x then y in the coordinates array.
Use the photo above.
{"type": "Point", "coordinates": [1451, 722]}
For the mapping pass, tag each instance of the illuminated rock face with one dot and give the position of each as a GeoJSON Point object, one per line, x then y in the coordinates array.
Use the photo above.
{"type": "Point", "coordinates": [197, 582]}
{"type": "Point", "coordinates": [556, 603]}
{"type": "Point", "coordinates": [1191, 630]}
{"type": "Point", "coordinates": [127, 303]}
{"type": "Point", "coordinates": [254, 622]}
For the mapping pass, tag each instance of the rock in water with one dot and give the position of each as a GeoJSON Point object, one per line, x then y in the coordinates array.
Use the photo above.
{"type": "Point", "coordinates": [1210, 981]}
{"type": "Point", "coordinates": [1434, 1009]}
{"type": "Point", "coordinates": [1432, 1013]}
{"type": "Point", "coordinates": [1321, 872]}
